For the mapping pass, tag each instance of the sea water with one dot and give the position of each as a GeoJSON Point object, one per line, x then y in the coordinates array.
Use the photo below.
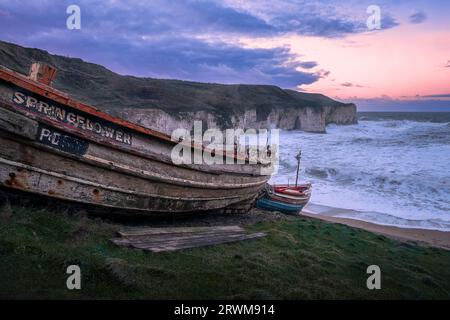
{"type": "Point", "coordinates": [390, 168]}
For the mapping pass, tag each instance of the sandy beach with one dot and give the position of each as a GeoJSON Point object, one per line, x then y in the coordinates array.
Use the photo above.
{"type": "Point", "coordinates": [435, 238]}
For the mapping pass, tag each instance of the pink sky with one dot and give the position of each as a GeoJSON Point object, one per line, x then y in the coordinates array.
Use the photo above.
{"type": "Point", "coordinates": [401, 62]}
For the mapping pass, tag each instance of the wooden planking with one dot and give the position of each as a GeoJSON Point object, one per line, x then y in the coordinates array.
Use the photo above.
{"type": "Point", "coordinates": [13, 150]}
{"type": "Point", "coordinates": [17, 124]}
{"type": "Point", "coordinates": [170, 239]}
{"type": "Point", "coordinates": [194, 243]}
{"type": "Point", "coordinates": [27, 178]}
{"type": "Point", "coordinates": [142, 240]}
{"type": "Point", "coordinates": [119, 160]}
{"type": "Point", "coordinates": [70, 179]}
{"type": "Point", "coordinates": [157, 231]}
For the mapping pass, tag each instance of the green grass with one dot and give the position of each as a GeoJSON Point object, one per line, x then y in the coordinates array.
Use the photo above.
{"type": "Point", "coordinates": [300, 259]}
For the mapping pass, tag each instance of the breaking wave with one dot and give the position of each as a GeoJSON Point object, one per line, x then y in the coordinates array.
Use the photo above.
{"type": "Point", "coordinates": [389, 171]}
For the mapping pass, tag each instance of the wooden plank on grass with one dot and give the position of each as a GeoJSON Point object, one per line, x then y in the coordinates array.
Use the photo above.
{"type": "Point", "coordinates": [171, 238]}
{"type": "Point", "coordinates": [197, 242]}
{"type": "Point", "coordinates": [154, 231]}
{"type": "Point", "coordinates": [174, 236]}
{"type": "Point", "coordinates": [155, 240]}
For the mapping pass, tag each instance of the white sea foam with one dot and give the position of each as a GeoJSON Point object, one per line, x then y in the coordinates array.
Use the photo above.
{"type": "Point", "coordinates": [392, 172]}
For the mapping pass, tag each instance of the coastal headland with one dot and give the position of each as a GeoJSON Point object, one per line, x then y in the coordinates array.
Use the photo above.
{"type": "Point", "coordinates": [166, 105]}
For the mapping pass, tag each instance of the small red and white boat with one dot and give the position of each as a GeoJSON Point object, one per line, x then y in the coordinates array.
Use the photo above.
{"type": "Point", "coordinates": [286, 198]}
{"type": "Point", "coordinates": [299, 194]}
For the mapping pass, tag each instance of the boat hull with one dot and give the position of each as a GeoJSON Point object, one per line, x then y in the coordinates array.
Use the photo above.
{"type": "Point", "coordinates": [285, 201]}
{"type": "Point", "coordinates": [45, 150]}
{"type": "Point", "coordinates": [267, 204]}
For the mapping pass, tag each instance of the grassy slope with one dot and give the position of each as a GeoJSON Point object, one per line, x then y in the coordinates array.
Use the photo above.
{"type": "Point", "coordinates": [302, 258]}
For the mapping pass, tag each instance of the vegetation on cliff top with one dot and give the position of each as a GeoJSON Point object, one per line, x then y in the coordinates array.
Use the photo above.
{"type": "Point", "coordinates": [106, 90]}
{"type": "Point", "coordinates": [301, 258]}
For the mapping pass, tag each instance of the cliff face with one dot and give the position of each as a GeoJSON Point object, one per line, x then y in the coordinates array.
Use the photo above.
{"type": "Point", "coordinates": [165, 105]}
{"type": "Point", "coordinates": [306, 119]}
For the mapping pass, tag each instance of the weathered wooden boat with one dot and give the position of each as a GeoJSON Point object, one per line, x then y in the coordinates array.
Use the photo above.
{"type": "Point", "coordinates": [55, 146]}
{"type": "Point", "coordinates": [284, 198]}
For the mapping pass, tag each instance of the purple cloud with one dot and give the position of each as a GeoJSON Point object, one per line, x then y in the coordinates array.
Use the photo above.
{"type": "Point", "coordinates": [177, 39]}
{"type": "Point", "coordinates": [349, 84]}
{"type": "Point", "coordinates": [308, 64]}
{"type": "Point", "coordinates": [417, 17]}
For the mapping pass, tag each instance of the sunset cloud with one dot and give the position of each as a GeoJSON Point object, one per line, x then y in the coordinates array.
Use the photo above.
{"type": "Point", "coordinates": [349, 84]}
{"type": "Point", "coordinates": [171, 39]}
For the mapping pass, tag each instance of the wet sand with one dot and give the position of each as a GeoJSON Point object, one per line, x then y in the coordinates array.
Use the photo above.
{"type": "Point", "coordinates": [433, 238]}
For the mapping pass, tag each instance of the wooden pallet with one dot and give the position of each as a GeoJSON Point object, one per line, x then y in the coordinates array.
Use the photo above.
{"type": "Point", "coordinates": [170, 239]}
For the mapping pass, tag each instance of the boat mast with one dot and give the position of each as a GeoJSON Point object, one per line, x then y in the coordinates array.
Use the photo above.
{"type": "Point", "coordinates": [298, 157]}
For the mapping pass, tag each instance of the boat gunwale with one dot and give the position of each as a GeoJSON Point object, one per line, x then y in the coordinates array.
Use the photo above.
{"type": "Point", "coordinates": [288, 196]}
{"type": "Point", "coordinates": [289, 201]}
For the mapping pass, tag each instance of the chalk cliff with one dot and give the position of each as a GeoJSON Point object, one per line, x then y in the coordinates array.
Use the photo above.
{"type": "Point", "coordinates": [306, 119]}
{"type": "Point", "coordinates": [165, 105]}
